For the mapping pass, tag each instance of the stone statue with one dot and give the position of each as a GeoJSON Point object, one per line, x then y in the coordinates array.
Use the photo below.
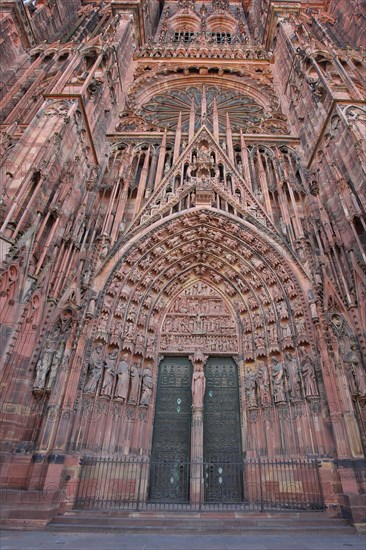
{"type": "Point", "coordinates": [135, 376]}
{"type": "Point", "coordinates": [56, 362]}
{"type": "Point", "coordinates": [278, 380]}
{"type": "Point", "coordinates": [293, 376]}
{"type": "Point", "coordinates": [109, 374]}
{"type": "Point", "coordinates": [355, 370]}
{"type": "Point", "coordinates": [44, 364]}
{"type": "Point", "coordinates": [250, 380]}
{"type": "Point", "coordinates": [95, 369]}
{"type": "Point", "coordinates": [198, 387]}
{"type": "Point", "coordinates": [123, 379]}
{"type": "Point", "coordinates": [308, 376]}
{"type": "Point", "coordinates": [262, 380]}
{"type": "Point", "coordinates": [147, 387]}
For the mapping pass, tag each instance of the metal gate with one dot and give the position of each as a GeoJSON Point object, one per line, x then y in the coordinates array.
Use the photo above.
{"type": "Point", "coordinates": [128, 483]}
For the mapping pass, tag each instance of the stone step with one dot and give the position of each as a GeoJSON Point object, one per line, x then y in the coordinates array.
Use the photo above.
{"type": "Point", "coordinates": [199, 523]}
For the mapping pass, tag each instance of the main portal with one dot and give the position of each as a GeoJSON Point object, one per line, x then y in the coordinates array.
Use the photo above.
{"type": "Point", "coordinates": [214, 459]}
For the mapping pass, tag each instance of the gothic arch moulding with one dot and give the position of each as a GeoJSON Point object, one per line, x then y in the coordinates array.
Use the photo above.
{"type": "Point", "coordinates": [198, 281]}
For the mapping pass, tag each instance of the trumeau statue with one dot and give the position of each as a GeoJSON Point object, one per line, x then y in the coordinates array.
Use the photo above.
{"type": "Point", "coordinates": [198, 387]}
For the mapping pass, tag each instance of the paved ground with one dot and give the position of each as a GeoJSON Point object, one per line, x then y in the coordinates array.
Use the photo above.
{"type": "Point", "coordinates": [40, 540]}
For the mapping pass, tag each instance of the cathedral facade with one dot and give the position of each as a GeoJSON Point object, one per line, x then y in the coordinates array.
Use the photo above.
{"type": "Point", "coordinates": [183, 250]}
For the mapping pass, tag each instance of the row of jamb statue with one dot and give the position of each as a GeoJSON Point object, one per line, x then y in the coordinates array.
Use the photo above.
{"type": "Point", "coordinates": [120, 381]}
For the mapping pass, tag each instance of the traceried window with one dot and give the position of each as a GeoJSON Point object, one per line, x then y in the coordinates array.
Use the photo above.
{"type": "Point", "coordinates": [221, 37]}
{"type": "Point", "coordinates": [183, 36]}
{"type": "Point", "coordinates": [186, 37]}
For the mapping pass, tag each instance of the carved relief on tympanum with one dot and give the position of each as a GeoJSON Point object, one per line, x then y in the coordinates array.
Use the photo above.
{"type": "Point", "coordinates": [199, 319]}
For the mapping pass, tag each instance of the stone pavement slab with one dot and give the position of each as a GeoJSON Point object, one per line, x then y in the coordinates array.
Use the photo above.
{"type": "Point", "coordinates": [41, 540]}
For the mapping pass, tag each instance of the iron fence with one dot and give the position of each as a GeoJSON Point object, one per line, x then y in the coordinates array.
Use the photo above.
{"type": "Point", "coordinates": [136, 484]}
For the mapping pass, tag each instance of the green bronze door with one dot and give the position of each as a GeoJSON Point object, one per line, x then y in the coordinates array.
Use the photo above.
{"type": "Point", "coordinates": [222, 454]}
{"type": "Point", "coordinates": [170, 459]}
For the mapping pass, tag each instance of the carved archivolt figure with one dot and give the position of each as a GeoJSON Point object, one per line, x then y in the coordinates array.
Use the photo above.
{"type": "Point", "coordinates": [109, 374]}
{"type": "Point", "coordinates": [355, 369]}
{"type": "Point", "coordinates": [147, 387]}
{"type": "Point", "coordinates": [308, 376]}
{"type": "Point", "coordinates": [198, 387]}
{"type": "Point", "coordinates": [135, 376]}
{"type": "Point", "coordinates": [95, 369]}
{"type": "Point", "coordinates": [278, 379]}
{"type": "Point", "coordinates": [123, 379]}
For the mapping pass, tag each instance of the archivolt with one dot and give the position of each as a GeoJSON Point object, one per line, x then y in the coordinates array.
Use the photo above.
{"type": "Point", "coordinates": [264, 287]}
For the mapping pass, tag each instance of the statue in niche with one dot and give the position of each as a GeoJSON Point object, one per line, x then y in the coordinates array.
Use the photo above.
{"type": "Point", "coordinates": [262, 380]}
{"type": "Point", "coordinates": [95, 369]}
{"type": "Point", "coordinates": [250, 387]}
{"type": "Point", "coordinates": [278, 381]}
{"type": "Point", "coordinates": [56, 362]}
{"type": "Point", "coordinates": [293, 376]}
{"type": "Point", "coordinates": [166, 167]}
{"type": "Point", "coordinates": [147, 387]}
{"type": "Point", "coordinates": [355, 370]}
{"type": "Point", "coordinates": [308, 376]}
{"type": "Point", "coordinates": [109, 374]}
{"type": "Point", "coordinates": [135, 377]}
{"type": "Point", "coordinates": [123, 379]}
{"type": "Point", "coordinates": [44, 363]}
{"type": "Point", "coordinates": [198, 386]}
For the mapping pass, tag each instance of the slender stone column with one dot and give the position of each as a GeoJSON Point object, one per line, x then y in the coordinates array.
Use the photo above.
{"type": "Point", "coordinates": [198, 391]}
{"type": "Point", "coordinates": [196, 484]}
{"type": "Point", "coordinates": [191, 122]}
{"type": "Point", "coordinates": [161, 161]}
{"type": "Point", "coordinates": [216, 131]}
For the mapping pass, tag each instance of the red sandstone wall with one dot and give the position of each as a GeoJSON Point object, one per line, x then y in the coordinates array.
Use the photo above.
{"type": "Point", "coordinates": [350, 20]}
